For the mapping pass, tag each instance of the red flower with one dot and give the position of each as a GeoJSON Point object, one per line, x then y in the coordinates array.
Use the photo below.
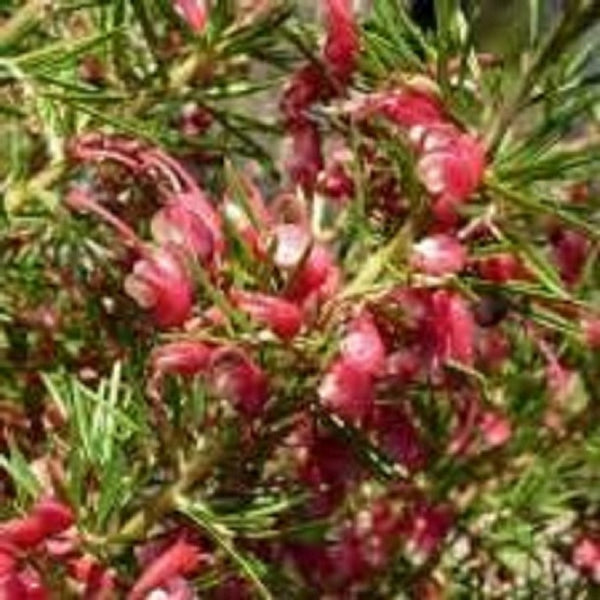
{"type": "Point", "coordinates": [451, 164]}
{"type": "Point", "coordinates": [181, 358]}
{"type": "Point", "coordinates": [439, 255]}
{"type": "Point", "coordinates": [176, 224]}
{"type": "Point", "coordinates": [47, 518]}
{"type": "Point", "coordinates": [239, 380]}
{"type": "Point", "coordinates": [160, 283]}
{"type": "Point", "coordinates": [451, 328]}
{"type": "Point", "coordinates": [348, 391]}
{"type": "Point", "coordinates": [362, 346]}
{"type": "Point", "coordinates": [281, 316]}
{"type": "Point", "coordinates": [179, 559]}
{"type": "Point", "coordinates": [193, 12]}
{"type": "Point", "coordinates": [342, 43]}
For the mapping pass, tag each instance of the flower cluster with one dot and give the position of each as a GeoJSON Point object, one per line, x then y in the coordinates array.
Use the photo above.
{"type": "Point", "coordinates": [354, 376]}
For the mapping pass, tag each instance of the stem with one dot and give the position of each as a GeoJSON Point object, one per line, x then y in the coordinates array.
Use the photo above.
{"type": "Point", "coordinates": [569, 25]}
{"type": "Point", "coordinates": [166, 500]}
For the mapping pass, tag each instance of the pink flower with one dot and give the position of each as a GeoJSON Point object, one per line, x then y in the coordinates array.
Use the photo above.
{"type": "Point", "coordinates": [182, 558]}
{"type": "Point", "coordinates": [451, 164]}
{"type": "Point", "coordinates": [281, 316]}
{"type": "Point", "coordinates": [348, 391]}
{"type": "Point", "coordinates": [185, 358]}
{"type": "Point", "coordinates": [193, 12]}
{"type": "Point", "coordinates": [362, 346]}
{"type": "Point", "coordinates": [439, 255]}
{"type": "Point", "coordinates": [342, 43]}
{"type": "Point", "coordinates": [235, 377]}
{"type": "Point", "coordinates": [160, 283]}
{"type": "Point", "coordinates": [586, 557]}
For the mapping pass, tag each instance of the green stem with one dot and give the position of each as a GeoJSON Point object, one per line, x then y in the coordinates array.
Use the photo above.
{"type": "Point", "coordinates": [166, 500]}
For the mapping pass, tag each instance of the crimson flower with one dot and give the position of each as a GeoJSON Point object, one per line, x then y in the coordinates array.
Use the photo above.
{"type": "Point", "coordinates": [347, 390]}
{"type": "Point", "coordinates": [282, 317]}
{"type": "Point", "coordinates": [47, 518]}
{"type": "Point", "coordinates": [159, 282]}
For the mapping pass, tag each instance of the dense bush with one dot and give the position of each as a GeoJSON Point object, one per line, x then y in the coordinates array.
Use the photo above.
{"type": "Point", "coordinates": [298, 309]}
